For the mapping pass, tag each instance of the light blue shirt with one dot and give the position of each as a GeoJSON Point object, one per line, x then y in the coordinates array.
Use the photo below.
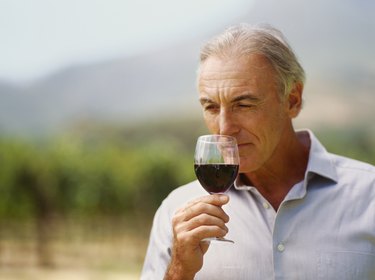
{"type": "Point", "coordinates": [324, 228]}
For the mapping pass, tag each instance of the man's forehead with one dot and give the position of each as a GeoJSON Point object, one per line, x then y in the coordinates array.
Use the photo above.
{"type": "Point", "coordinates": [222, 78]}
{"type": "Point", "coordinates": [241, 68]}
{"type": "Point", "coordinates": [235, 63]}
{"type": "Point", "coordinates": [222, 74]}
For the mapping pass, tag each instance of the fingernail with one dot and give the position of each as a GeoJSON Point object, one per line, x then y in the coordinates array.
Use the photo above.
{"type": "Point", "coordinates": [224, 198]}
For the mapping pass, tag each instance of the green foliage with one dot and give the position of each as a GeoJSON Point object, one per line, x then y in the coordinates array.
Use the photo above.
{"type": "Point", "coordinates": [357, 143]}
{"type": "Point", "coordinates": [101, 171]}
{"type": "Point", "coordinates": [88, 176]}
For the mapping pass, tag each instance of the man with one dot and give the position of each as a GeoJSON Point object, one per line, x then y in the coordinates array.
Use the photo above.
{"type": "Point", "coordinates": [295, 211]}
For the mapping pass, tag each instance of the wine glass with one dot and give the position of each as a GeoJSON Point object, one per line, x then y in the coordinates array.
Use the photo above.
{"type": "Point", "coordinates": [216, 164]}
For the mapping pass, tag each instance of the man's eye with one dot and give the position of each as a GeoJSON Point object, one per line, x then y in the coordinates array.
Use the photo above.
{"type": "Point", "coordinates": [245, 106]}
{"type": "Point", "coordinates": [211, 108]}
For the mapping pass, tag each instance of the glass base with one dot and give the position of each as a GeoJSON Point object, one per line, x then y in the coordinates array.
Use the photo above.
{"type": "Point", "coordinates": [217, 239]}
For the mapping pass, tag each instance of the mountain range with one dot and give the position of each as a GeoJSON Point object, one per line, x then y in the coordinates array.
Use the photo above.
{"type": "Point", "coordinates": [124, 89]}
{"type": "Point", "coordinates": [339, 90]}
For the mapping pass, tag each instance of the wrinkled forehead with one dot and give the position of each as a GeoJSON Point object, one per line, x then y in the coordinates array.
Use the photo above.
{"type": "Point", "coordinates": [253, 69]}
{"type": "Point", "coordinates": [237, 68]}
{"type": "Point", "coordinates": [245, 63]}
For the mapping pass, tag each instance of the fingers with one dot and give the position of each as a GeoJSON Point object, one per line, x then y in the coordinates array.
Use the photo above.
{"type": "Point", "coordinates": [215, 199]}
{"type": "Point", "coordinates": [201, 218]}
{"type": "Point", "coordinates": [199, 208]}
{"type": "Point", "coordinates": [210, 204]}
{"type": "Point", "coordinates": [195, 236]}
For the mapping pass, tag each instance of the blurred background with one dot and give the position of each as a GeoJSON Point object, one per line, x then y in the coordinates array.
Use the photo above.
{"type": "Point", "coordinates": [99, 116]}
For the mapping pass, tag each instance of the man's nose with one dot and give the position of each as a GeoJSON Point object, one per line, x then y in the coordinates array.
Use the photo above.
{"type": "Point", "coordinates": [227, 123]}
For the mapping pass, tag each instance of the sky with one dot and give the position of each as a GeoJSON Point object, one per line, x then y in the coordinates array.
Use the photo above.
{"type": "Point", "coordinates": [41, 36]}
{"type": "Point", "coordinates": [334, 40]}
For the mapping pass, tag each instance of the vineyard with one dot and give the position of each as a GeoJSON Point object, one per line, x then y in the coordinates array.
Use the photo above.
{"type": "Point", "coordinates": [85, 199]}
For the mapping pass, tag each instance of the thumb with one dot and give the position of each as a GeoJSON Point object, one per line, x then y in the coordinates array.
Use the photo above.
{"type": "Point", "coordinates": [204, 246]}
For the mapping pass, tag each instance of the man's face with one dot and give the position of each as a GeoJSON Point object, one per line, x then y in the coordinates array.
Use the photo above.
{"type": "Point", "coordinates": [240, 98]}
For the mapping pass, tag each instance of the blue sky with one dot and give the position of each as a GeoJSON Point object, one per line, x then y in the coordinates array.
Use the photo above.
{"type": "Point", "coordinates": [41, 36]}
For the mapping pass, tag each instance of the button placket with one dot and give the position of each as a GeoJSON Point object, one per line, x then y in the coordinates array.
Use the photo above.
{"type": "Point", "coordinates": [280, 247]}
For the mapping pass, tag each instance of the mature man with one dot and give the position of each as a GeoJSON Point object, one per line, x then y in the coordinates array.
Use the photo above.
{"type": "Point", "coordinates": [295, 211]}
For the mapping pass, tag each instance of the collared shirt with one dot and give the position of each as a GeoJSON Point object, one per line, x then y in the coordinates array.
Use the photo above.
{"type": "Point", "coordinates": [323, 229]}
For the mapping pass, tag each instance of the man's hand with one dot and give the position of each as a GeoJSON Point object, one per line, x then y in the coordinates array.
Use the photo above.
{"type": "Point", "coordinates": [199, 219]}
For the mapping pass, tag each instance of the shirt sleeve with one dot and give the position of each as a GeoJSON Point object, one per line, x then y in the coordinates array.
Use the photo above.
{"type": "Point", "coordinates": [158, 253]}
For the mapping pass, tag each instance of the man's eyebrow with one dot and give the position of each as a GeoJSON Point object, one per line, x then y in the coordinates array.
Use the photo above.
{"type": "Point", "coordinates": [204, 100]}
{"type": "Point", "coordinates": [247, 97]}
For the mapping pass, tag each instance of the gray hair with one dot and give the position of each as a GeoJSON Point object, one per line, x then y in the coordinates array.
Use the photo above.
{"type": "Point", "coordinates": [245, 39]}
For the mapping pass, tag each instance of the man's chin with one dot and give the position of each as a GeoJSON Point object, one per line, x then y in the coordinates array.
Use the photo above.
{"type": "Point", "coordinates": [247, 165]}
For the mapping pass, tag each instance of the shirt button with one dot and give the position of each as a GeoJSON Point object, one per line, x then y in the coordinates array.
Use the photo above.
{"type": "Point", "coordinates": [280, 247]}
{"type": "Point", "coordinates": [266, 205]}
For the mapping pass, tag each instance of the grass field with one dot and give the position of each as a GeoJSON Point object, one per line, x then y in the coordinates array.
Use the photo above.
{"type": "Point", "coordinates": [80, 254]}
{"type": "Point", "coordinates": [33, 273]}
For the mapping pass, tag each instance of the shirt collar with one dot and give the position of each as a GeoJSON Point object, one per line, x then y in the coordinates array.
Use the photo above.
{"type": "Point", "coordinates": [319, 163]}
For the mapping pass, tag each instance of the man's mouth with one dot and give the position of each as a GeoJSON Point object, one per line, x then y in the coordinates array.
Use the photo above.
{"type": "Point", "coordinates": [243, 145]}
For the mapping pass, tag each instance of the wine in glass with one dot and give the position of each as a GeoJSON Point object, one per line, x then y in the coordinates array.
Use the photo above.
{"type": "Point", "coordinates": [216, 164]}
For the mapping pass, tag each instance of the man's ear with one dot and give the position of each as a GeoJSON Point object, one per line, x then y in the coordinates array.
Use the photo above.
{"type": "Point", "coordinates": [294, 100]}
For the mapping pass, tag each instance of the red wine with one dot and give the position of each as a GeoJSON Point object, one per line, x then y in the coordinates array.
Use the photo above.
{"type": "Point", "coordinates": [216, 178]}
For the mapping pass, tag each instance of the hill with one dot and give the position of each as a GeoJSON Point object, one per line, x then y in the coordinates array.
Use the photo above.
{"type": "Point", "coordinates": [334, 51]}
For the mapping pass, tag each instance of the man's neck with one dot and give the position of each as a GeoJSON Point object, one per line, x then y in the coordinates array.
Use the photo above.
{"type": "Point", "coordinates": [286, 167]}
